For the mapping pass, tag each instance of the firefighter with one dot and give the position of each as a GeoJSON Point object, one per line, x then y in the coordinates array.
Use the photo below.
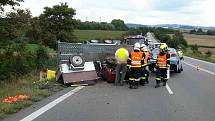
{"type": "Point", "coordinates": [143, 73]}
{"type": "Point", "coordinates": [181, 54]}
{"type": "Point", "coordinates": [162, 64]}
{"type": "Point", "coordinates": [135, 62]}
{"type": "Point", "coordinates": [121, 57]}
{"type": "Point", "coordinates": [146, 52]}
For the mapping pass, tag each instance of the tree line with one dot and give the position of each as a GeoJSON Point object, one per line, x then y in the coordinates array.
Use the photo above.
{"type": "Point", "coordinates": [173, 38]}
{"type": "Point", "coordinates": [201, 32]}
{"type": "Point", "coordinates": [115, 24]}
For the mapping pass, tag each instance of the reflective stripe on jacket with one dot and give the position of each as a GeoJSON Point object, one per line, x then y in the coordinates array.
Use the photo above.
{"type": "Point", "coordinates": [146, 57]}
{"type": "Point", "coordinates": [162, 61]}
{"type": "Point", "coordinates": [136, 58]}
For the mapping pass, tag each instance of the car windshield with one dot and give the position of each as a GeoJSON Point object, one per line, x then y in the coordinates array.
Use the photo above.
{"type": "Point", "coordinates": [133, 41]}
{"type": "Point", "coordinates": [172, 50]}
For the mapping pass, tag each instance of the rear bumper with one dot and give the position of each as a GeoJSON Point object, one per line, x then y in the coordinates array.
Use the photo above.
{"type": "Point", "coordinates": [173, 67]}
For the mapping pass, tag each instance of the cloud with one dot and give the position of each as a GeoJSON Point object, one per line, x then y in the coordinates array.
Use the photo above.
{"type": "Point", "coordinates": [170, 5]}
{"type": "Point", "coordinates": [194, 12]}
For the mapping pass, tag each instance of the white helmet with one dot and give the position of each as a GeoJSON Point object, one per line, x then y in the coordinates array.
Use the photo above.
{"type": "Point", "coordinates": [145, 49]}
{"type": "Point", "coordinates": [135, 48]}
{"type": "Point", "coordinates": [137, 45]}
{"type": "Point", "coordinates": [142, 45]}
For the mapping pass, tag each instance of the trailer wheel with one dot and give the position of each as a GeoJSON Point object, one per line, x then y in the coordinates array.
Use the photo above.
{"type": "Point", "coordinates": [77, 60]}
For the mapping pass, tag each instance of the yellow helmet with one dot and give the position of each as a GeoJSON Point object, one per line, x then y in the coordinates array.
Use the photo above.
{"type": "Point", "coordinates": [162, 47]}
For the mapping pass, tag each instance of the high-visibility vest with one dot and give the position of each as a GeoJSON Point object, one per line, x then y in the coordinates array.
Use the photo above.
{"type": "Point", "coordinates": [146, 56]}
{"type": "Point", "coordinates": [121, 55]}
{"type": "Point", "coordinates": [180, 53]}
{"type": "Point", "coordinates": [162, 61]}
{"type": "Point", "coordinates": [136, 58]}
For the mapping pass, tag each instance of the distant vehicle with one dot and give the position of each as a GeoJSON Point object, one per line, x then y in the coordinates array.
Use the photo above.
{"type": "Point", "coordinates": [131, 40]}
{"type": "Point", "coordinates": [153, 59]}
{"type": "Point", "coordinates": [175, 61]}
{"type": "Point", "coordinates": [105, 42]}
{"type": "Point", "coordinates": [157, 45]}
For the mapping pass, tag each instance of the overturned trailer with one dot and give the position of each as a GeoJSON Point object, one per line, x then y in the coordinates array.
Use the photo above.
{"type": "Point", "coordinates": [76, 61]}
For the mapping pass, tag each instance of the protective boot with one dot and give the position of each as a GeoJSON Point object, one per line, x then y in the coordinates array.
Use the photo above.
{"type": "Point", "coordinates": [146, 80]}
{"type": "Point", "coordinates": [142, 82]}
{"type": "Point", "coordinates": [121, 83]}
{"type": "Point", "coordinates": [136, 84]}
{"type": "Point", "coordinates": [164, 82]}
{"type": "Point", "coordinates": [157, 84]}
{"type": "Point", "coordinates": [130, 84]}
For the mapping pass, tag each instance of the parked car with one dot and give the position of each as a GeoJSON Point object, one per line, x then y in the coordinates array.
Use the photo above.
{"type": "Point", "coordinates": [175, 61]}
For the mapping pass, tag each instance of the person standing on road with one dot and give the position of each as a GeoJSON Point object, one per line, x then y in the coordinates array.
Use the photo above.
{"type": "Point", "coordinates": [162, 64]}
{"type": "Point", "coordinates": [135, 62]}
{"type": "Point", "coordinates": [145, 74]}
{"type": "Point", "coordinates": [121, 57]}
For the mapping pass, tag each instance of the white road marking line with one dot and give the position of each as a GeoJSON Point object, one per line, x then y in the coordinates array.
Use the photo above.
{"type": "Point", "coordinates": [200, 60]}
{"type": "Point", "coordinates": [207, 71]}
{"type": "Point", "coordinates": [168, 89]}
{"type": "Point", "coordinates": [51, 105]}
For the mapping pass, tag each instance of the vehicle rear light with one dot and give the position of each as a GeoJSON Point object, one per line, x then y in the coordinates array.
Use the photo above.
{"type": "Point", "coordinates": [173, 55]}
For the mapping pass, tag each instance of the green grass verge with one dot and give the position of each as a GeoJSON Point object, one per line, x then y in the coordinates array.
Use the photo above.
{"type": "Point", "coordinates": [204, 46]}
{"type": "Point", "coordinates": [202, 57]}
{"type": "Point", "coordinates": [37, 91]}
{"type": "Point", "coordinates": [98, 34]}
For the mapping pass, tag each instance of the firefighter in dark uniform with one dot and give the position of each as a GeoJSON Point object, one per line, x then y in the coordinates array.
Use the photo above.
{"type": "Point", "coordinates": [145, 73]}
{"type": "Point", "coordinates": [162, 64]}
{"type": "Point", "coordinates": [135, 62]}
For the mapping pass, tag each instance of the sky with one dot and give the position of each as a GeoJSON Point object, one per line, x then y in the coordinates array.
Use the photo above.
{"type": "Point", "coordinates": [147, 12]}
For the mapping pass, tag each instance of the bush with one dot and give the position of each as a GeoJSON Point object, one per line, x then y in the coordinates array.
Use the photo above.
{"type": "Point", "coordinates": [16, 60]}
{"type": "Point", "coordinates": [208, 53]}
{"type": "Point", "coordinates": [42, 57]}
{"type": "Point", "coordinates": [195, 49]}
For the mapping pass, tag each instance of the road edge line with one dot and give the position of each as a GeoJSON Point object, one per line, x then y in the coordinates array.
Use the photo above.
{"type": "Point", "coordinates": [168, 89]}
{"type": "Point", "coordinates": [50, 105]}
{"type": "Point", "coordinates": [200, 60]}
{"type": "Point", "coordinates": [201, 69]}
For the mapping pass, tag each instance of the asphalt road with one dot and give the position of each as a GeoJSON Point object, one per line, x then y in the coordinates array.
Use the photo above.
{"type": "Point", "coordinates": [193, 99]}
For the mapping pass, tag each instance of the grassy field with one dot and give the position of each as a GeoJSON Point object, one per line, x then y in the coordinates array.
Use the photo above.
{"type": "Point", "coordinates": [98, 34]}
{"type": "Point", "coordinates": [29, 85]}
{"type": "Point", "coordinates": [204, 50]}
{"type": "Point", "coordinates": [206, 43]}
{"type": "Point", "coordinates": [203, 40]}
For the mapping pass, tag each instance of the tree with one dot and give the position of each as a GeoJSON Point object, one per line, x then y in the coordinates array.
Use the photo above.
{"type": "Point", "coordinates": [10, 3]}
{"type": "Point", "coordinates": [119, 24]}
{"type": "Point", "coordinates": [58, 22]}
{"type": "Point", "coordinates": [200, 31]}
{"type": "Point", "coordinates": [210, 32]}
{"type": "Point", "coordinates": [14, 26]}
{"type": "Point", "coordinates": [193, 31]}
{"type": "Point", "coordinates": [34, 32]}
